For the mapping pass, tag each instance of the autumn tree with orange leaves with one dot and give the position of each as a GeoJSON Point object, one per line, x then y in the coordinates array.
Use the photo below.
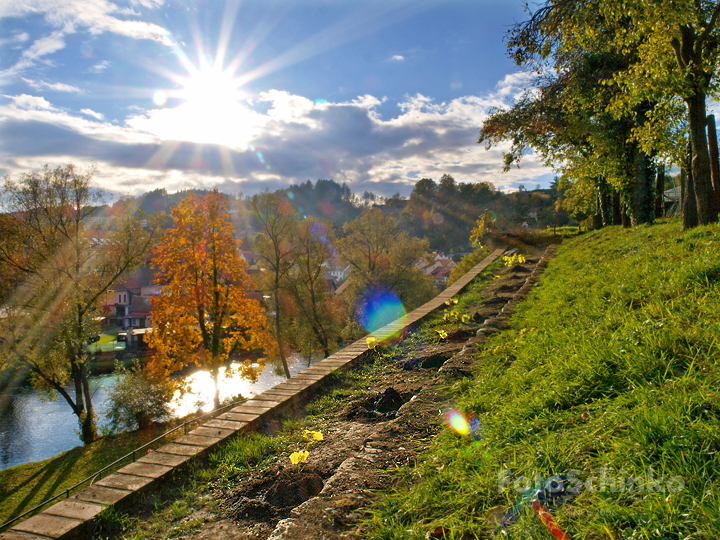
{"type": "Point", "coordinates": [203, 315]}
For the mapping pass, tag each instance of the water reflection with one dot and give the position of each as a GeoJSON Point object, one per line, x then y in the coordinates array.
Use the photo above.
{"type": "Point", "coordinates": [33, 429]}
{"type": "Point", "coordinates": [201, 387]}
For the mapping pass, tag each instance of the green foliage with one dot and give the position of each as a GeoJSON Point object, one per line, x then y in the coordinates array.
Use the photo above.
{"type": "Point", "coordinates": [610, 367]}
{"type": "Point", "coordinates": [382, 256]}
{"type": "Point", "coordinates": [136, 399]}
{"type": "Point", "coordinates": [468, 262]}
{"type": "Point", "coordinates": [315, 315]}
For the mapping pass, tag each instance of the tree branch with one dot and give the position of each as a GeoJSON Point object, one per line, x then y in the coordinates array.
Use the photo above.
{"type": "Point", "coordinates": [709, 28]}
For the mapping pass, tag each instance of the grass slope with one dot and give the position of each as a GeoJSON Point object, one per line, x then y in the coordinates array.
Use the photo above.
{"type": "Point", "coordinates": [24, 486]}
{"type": "Point", "coordinates": [609, 375]}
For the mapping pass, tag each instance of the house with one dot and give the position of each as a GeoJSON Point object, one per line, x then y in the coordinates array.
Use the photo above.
{"type": "Point", "coordinates": [440, 269]}
{"type": "Point", "coordinates": [337, 270]}
{"type": "Point", "coordinates": [138, 315]}
{"type": "Point", "coordinates": [250, 257]}
{"type": "Point", "coordinates": [441, 275]}
{"type": "Point", "coordinates": [116, 305]}
{"type": "Point", "coordinates": [128, 304]}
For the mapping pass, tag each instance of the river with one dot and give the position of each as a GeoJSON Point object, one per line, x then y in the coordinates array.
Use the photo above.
{"type": "Point", "coordinates": [33, 429]}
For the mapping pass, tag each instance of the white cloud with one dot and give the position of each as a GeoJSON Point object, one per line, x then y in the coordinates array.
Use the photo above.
{"type": "Point", "coordinates": [90, 112]}
{"type": "Point", "coordinates": [45, 45]}
{"type": "Point", "coordinates": [26, 108]}
{"type": "Point", "coordinates": [94, 15]}
{"type": "Point", "coordinates": [397, 58]}
{"type": "Point", "coordinates": [58, 87]}
{"type": "Point", "coordinates": [513, 85]}
{"type": "Point", "coordinates": [293, 140]}
{"type": "Point", "coordinates": [100, 67]}
{"type": "Point", "coordinates": [17, 38]}
{"type": "Point", "coordinates": [26, 102]}
{"type": "Point", "coordinates": [287, 107]}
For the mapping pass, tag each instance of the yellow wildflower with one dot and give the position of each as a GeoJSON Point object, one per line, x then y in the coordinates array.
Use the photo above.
{"type": "Point", "coordinates": [299, 457]}
{"type": "Point", "coordinates": [314, 435]}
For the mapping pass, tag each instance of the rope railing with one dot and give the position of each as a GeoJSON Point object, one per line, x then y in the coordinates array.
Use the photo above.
{"type": "Point", "coordinates": [112, 466]}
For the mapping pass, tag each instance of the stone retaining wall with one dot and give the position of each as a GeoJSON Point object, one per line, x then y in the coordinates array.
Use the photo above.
{"type": "Point", "coordinates": [74, 517]}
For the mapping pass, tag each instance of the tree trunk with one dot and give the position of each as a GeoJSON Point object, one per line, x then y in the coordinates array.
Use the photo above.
{"type": "Point", "coordinates": [642, 195]}
{"type": "Point", "coordinates": [278, 332]}
{"type": "Point", "coordinates": [88, 425]}
{"type": "Point", "coordinates": [605, 202]}
{"type": "Point", "coordinates": [616, 217]}
{"type": "Point", "coordinates": [700, 180]}
{"type": "Point", "coordinates": [688, 199]}
{"type": "Point", "coordinates": [660, 192]}
{"type": "Point", "coordinates": [216, 379]}
{"type": "Point", "coordinates": [714, 160]}
{"type": "Point", "coordinates": [597, 221]}
{"type": "Point", "coordinates": [624, 218]}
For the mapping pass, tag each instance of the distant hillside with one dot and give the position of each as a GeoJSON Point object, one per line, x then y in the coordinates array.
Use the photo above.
{"type": "Point", "coordinates": [443, 212]}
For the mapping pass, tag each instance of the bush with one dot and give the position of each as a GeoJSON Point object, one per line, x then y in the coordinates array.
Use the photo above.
{"type": "Point", "coordinates": [136, 400]}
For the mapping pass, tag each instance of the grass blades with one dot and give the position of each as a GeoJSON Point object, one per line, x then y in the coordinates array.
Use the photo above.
{"type": "Point", "coordinates": [608, 376]}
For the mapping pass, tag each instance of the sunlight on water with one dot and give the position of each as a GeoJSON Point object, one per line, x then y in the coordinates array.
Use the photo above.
{"type": "Point", "coordinates": [33, 429]}
{"type": "Point", "coordinates": [198, 395]}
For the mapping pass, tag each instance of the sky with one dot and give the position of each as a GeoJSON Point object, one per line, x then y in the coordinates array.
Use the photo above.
{"type": "Point", "coordinates": [245, 95]}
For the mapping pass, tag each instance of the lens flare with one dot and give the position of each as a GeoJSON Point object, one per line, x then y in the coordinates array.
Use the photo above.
{"type": "Point", "coordinates": [457, 422]}
{"type": "Point", "coordinates": [160, 98]}
{"type": "Point", "coordinates": [467, 425]}
{"type": "Point", "coordinates": [378, 308]}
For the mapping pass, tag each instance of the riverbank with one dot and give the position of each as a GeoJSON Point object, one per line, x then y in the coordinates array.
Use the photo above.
{"type": "Point", "coordinates": [24, 486]}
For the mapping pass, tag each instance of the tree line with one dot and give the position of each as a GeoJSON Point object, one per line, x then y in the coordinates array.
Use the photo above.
{"type": "Point", "coordinates": [618, 95]}
{"type": "Point", "coordinates": [62, 251]}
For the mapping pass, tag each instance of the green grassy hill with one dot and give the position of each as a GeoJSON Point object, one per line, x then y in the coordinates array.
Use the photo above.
{"type": "Point", "coordinates": [609, 379]}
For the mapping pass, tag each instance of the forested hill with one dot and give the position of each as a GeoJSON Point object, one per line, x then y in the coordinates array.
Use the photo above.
{"type": "Point", "coordinates": [444, 212]}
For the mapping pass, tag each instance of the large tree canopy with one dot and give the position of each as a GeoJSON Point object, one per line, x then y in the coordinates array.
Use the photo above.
{"type": "Point", "coordinates": [63, 263]}
{"type": "Point", "coordinates": [382, 257]}
{"type": "Point", "coordinates": [204, 315]}
{"type": "Point", "coordinates": [648, 61]}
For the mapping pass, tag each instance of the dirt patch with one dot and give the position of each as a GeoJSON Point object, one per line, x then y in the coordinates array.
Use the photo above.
{"type": "Point", "coordinates": [377, 408]}
{"type": "Point", "coordinates": [431, 357]}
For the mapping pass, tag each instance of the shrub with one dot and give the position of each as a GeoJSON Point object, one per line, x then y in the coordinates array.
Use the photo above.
{"type": "Point", "coordinates": [136, 400]}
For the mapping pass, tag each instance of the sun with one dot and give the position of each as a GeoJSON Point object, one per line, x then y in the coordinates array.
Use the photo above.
{"type": "Point", "coordinates": [212, 109]}
{"type": "Point", "coordinates": [215, 109]}
{"type": "Point", "coordinates": [211, 89]}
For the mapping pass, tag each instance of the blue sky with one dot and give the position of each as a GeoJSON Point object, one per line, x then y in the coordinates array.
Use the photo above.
{"type": "Point", "coordinates": [249, 94]}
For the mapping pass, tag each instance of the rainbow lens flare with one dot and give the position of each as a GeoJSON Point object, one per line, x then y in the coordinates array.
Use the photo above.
{"type": "Point", "coordinates": [376, 309]}
{"type": "Point", "coordinates": [457, 422]}
{"type": "Point", "coordinates": [467, 425]}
